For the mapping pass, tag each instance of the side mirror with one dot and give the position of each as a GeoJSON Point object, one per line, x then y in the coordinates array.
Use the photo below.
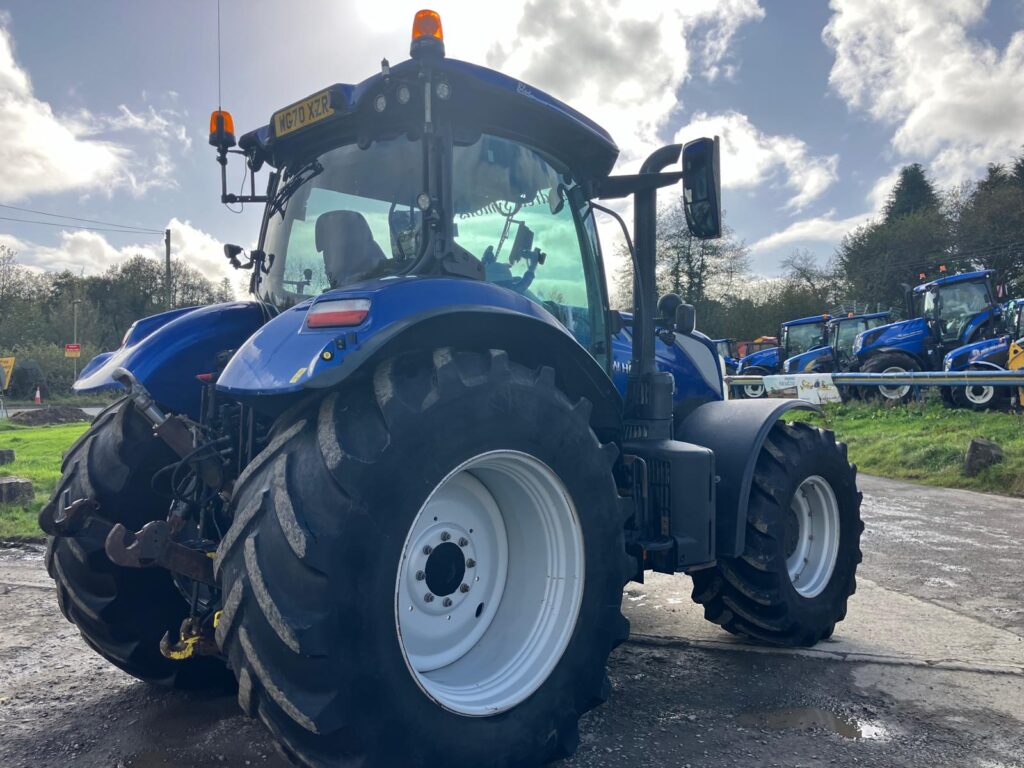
{"type": "Point", "coordinates": [686, 318]}
{"type": "Point", "coordinates": [556, 199]}
{"type": "Point", "coordinates": [702, 188]}
{"type": "Point", "coordinates": [231, 253]}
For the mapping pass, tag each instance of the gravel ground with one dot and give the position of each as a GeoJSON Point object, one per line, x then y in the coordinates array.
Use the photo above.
{"type": "Point", "coordinates": [676, 700]}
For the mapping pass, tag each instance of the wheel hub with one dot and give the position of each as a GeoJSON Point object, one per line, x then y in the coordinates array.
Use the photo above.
{"type": "Point", "coordinates": [811, 541]}
{"type": "Point", "coordinates": [979, 395]}
{"type": "Point", "coordinates": [897, 392]}
{"type": "Point", "coordinates": [490, 583]}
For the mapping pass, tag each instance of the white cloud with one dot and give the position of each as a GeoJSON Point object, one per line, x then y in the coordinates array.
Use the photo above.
{"type": "Point", "coordinates": [820, 229]}
{"type": "Point", "coordinates": [90, 253]}
{"type": "Point", "coordinates": [622, 63]}
{"type": "Point", "coordinates": [751, 158]}
{"type": "Point", "coordinates": [951, 98]}
{"type": "Point", "coordinates": [43, 152]}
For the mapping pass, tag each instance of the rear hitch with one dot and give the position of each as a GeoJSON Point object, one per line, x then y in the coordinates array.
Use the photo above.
{"type": "Point", "coordinates": [173, 431]}
{"type": "Point", "coordinates": [153, 547]}
{"type": "Point", "coordinates": [193, 640]}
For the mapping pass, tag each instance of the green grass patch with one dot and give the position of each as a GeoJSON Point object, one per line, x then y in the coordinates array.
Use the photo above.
{"type": "Point", "coordinates": [39, 451]}
{"type": "Point", "coordinates": [926, 443]}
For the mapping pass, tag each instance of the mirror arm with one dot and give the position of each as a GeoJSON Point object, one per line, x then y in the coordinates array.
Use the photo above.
{"type": "Point", "coordinates": [611, 187]}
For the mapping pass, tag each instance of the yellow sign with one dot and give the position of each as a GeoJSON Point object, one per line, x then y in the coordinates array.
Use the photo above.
{"type": "Point", "coordinates": [72, 350]}
{"type": "Point", "coordinates": [302, 113]}
{"type": "Point", "coordinates": [6, 366]}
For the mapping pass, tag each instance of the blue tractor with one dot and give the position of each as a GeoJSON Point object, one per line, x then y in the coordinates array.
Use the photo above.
{"type": "Point", "coordinates": [987, 354]}
{"type": "Point", "coordinates": [837, 355]}
{"type": "Point", "coordinates": [396, 495]}
{"type": "Point", "coordinates": [944, 314]}
{"type": "Point", "coordinates": [796, 337]}
{"type": "Point", "coordinates": [727, 351]}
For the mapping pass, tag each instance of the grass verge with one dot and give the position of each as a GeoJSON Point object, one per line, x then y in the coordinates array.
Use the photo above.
{"type": "Point", "coordinates": [926, 443]}
{"type": "Point", "coordinates": [39, 451]}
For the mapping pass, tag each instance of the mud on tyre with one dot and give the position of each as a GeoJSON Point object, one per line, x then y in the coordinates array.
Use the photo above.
{"type": "Point", "coordinates": [358, 538]}
{"type": "Point", "coordinates": [785, 589]}
{"type": "Point", "coordinates": [121, 613]}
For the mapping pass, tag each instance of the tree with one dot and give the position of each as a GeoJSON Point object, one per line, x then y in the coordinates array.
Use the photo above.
{"type": "Point", "coordinates": [990, 230]}
{"type": "Point", "coordinates": [912, 192]}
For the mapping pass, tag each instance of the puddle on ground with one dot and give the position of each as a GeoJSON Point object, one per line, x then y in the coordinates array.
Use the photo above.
{"type": "Point", "coordinates": [808, 718]}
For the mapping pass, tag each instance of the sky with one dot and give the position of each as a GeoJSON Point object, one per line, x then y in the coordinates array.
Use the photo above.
{"type": "Point", "coordinates": [104, 114]}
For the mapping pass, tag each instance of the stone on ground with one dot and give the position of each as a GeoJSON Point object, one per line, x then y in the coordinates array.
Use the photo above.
{"type": "Point", "coordinates": [981, 453]}
{"type": "Point", "coordinates": [16, 490]}
{"type": "Point", "coordinates": [6, 455]}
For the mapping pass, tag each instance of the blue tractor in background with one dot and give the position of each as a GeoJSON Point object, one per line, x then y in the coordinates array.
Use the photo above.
{"type": "Point", "coordinates": [727, 351]}
{"type": "Point", "coordinates": [796, 337]}
{"type": "Point", "coordinates": [837, 355]}
{"type": "Point", "coordinates": [396, 494]}
{"type": "Point", "coordinates": [944, 314]}
{"type": "Point", "coordinates": [987, 354]}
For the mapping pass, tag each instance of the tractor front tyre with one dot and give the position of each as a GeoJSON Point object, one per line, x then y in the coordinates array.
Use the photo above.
{"type": "Point", "coordinates": [754, 391]}
{"type": "Point", "coordinates": [979, 398]}
{"type": "Point", "coordinates": [122, 613]}
{"type": "Point", "coordinates": [426, 568]}
{"type": "Point", "coordinates": [792, 582]}
{"type": "Point", "coordinates": [890, 362]}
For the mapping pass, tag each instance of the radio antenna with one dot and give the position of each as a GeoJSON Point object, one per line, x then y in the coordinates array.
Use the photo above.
{"type": "Point", "coordinates": [219, 105]}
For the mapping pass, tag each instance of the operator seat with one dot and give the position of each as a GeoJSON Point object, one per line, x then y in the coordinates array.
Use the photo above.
{"type": "Point", "coordinates": [349, 250]}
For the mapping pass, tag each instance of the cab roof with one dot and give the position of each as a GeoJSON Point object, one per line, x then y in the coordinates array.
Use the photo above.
{"type": "Point", "coordinates": [482, 99]}
{"type": "Point", "coordinates": [960, 278]}
{"type": "Point", "coordinates": [807, 320]}
{"type": "Point", "coordinates": [869, 316]}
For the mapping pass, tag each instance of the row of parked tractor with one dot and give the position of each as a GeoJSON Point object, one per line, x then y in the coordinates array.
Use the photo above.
{"type": "Point", "coordinates": [956, 323]}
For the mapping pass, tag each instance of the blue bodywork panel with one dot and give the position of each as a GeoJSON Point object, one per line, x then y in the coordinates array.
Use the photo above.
{"type": "Point", "coordinates": [907, 336]}
{"type": "Point", "coordinates": [805, 320]}
{"type": "Point", "coordinates": [692, 385]}
{"type": "Point", "coordinates": [813, 361]}
{"type": "Point", "coordinates": [763, 358]}
{"type": "Point", "coordinates": [167, 354]}
{"type": "Point", "coordinates": [992, 352]}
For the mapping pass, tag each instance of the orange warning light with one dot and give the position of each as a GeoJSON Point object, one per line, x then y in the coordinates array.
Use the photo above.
{"type": "Point", "coordinates": [427, 24]}
{"type": "Point", "coordinates": [222, 129]}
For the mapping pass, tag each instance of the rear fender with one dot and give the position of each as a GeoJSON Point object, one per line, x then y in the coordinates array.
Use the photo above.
{"type": "Point", "coordinates": [287, 360]}
{"type": "Point", "coordinates": [735, 430]}
{"type": "Point", "coordinates": [167, 359]}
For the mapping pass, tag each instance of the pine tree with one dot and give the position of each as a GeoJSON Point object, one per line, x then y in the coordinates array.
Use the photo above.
{"type": "Point", "coordinates": [912, 193]}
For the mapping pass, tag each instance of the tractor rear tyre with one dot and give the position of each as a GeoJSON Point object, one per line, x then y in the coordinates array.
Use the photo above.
{"type": "Point", "coordinates": [754, 391]}
{"type": "Point", "coordinates": [890, 362]}
{"type": "Point", "coordinates": [791, 584]}
{"type": "Point", "coordinates": [426, 568]}
{"type": "Point", "coordinates": [122, 613]}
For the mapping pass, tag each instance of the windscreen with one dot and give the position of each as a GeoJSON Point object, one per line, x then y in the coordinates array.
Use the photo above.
{"type": "Point", "coordinates": [802, 338]}
{"type": "Point", "coordinates": [958, 304]}
{"type": "Point", "coordinates": [349, 215]}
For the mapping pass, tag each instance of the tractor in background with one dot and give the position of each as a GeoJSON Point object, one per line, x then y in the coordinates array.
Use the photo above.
{"type": "Point", "coordinates": [837, 355]}
{"type": "Point", "coordinates": [796, 337]}
{"type": "Point", "coordinates": [395, 495]}
{"type": "Point", "coordinates": [727, 350]}
{"type": "Point", "coordinates": [987, 354]}
{"type": "Point", "coordinates": [945, 313]}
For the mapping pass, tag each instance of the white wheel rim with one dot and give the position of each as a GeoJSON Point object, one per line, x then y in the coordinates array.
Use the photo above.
{"type": "Point", "coordinates": [813, 543]}
{"type": "Point", "coordinates": [894, 393]}
{"type": "Point", "coordinates": [508, 580]}
{"type": "Point", "coordinates": [979, 395]}
{"type": "Point", "coordinates": [753, 390]}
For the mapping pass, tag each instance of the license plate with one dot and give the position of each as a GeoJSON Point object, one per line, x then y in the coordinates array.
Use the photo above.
{"type": "Point", "coordinates": [306, 112]}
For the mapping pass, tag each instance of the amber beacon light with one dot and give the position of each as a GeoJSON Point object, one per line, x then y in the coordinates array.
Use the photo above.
{"type": "Point", "coordinates": [427, 35]}
{"type": "Point", "coordinates": [222, 129]}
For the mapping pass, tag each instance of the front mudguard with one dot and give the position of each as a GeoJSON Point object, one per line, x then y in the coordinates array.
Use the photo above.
{"type": "Point", "coordinates": [735, 430]}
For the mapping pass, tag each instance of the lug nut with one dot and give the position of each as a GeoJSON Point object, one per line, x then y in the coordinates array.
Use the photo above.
{"type": "Point", "coordinates": [447, 602]}
{"type": "Point", "coordinates": [445, 536]}
{"type": "Point", "coordinates": [420, 575]}
{"type": "Point", "coordinates": [427, 549]}
{"type": "Point", "coordinates": [463, 542]}
{"type": "Point", "coordinates": [464, 588]}
{"type": "Point", "coordinates": [428, 598]}
{"type": "Point", "coordinates": [471, 563]}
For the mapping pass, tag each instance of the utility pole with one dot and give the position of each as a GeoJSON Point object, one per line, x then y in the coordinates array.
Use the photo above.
{"type": "Point", "coordinates": [74, 314]}
{"type": "Point", "coordinates": [167, 267]}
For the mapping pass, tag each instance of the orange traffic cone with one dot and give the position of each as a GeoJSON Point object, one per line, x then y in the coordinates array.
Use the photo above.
{"type": "Point", "coordinates": [39, 397]}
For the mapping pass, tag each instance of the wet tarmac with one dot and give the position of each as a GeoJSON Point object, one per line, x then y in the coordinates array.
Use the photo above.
{"type": "Point", "coordinates": [921, 674]}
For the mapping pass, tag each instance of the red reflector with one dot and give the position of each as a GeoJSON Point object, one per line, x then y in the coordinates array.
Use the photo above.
{"type": "Point", "coordinates": [328, 314]}
{"type": "Point", "coordinates": [340, 317]}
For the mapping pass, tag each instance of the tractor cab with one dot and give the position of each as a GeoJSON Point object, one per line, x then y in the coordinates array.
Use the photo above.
{"type": "Point", "coordinates": [837, 354]}
{"type": "Point", "coordinates": [797, 337]}
{"type": "Point", "coordinates": [727, 351]}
